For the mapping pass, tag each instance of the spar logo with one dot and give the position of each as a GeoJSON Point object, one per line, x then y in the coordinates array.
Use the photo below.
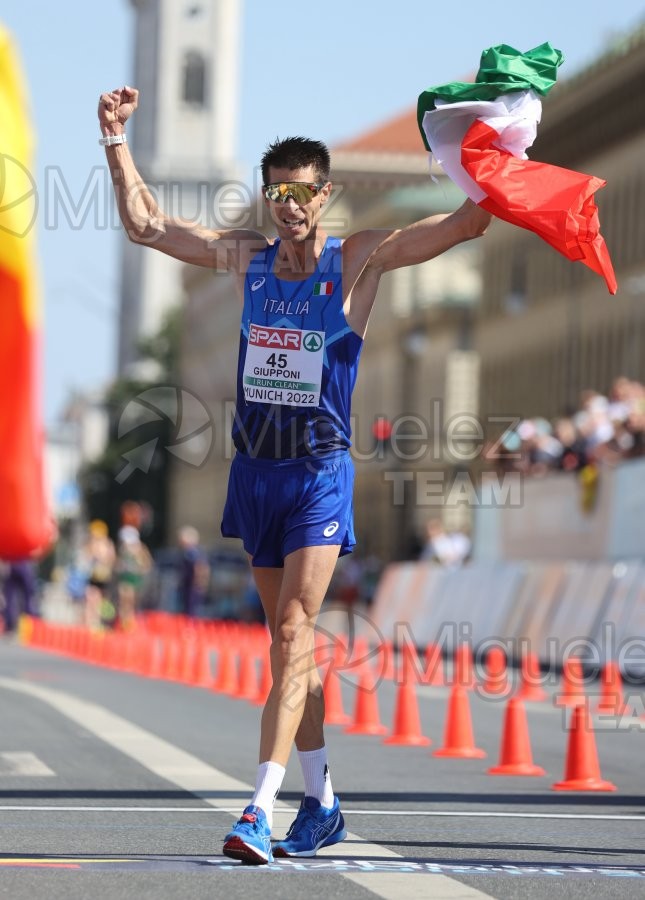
{"type": "Point", "coordinates": [281, 338]}
{"type": "Point", "coordinates": [312, 342]}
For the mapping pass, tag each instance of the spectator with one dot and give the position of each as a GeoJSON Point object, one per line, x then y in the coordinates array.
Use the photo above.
{"type": "Point", "coordinates": [194, 572]}
{"type": "Point", "coordinates": [446, 548]}
{"type": "Point", "coordinates": [97, 560]}
{"type": "Point", "coordinates": [20, 591]}
{"type": "Point", "coordinates": [133, 564]}
{"type": "Point", "coordinates": [505, 453]}
{"type": "Point", "coordinates": [593, 420]}
{"type": "Point", "coordinates": [573, 454]}
{"type": "Point", "coordinates": [461, 546]}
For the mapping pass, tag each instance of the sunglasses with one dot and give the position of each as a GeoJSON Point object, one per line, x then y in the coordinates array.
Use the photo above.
{"type": "Point", "coordinates": [302, 192]}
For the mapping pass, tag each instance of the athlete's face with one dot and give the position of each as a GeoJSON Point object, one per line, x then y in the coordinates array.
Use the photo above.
{"type": "Point", "coordinates": [295, 221]}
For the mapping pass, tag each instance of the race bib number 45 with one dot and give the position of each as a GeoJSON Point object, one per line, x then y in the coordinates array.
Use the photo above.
{"type": "Point", "coordinates": [283, 365]}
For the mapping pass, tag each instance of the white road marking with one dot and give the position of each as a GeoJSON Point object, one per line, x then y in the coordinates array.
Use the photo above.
{"type": "Point", "coordinates": [192, 774]}
{"type": "Point", "coordinates": [17, 763]}
{"type": "Point", "coordinates": [394, 885]}
{"type": "Point", "coordinates": [155, 754]}
{"type": "Point", "coordinates": [430, 813]}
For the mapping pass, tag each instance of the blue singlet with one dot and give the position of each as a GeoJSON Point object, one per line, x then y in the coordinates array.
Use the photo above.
{"type": "Point", "coordinates": [298, 361]}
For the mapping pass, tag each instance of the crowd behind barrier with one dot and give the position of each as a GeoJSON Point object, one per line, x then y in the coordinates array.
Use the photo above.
{"type": "Point", "coordinates": [603, 431]}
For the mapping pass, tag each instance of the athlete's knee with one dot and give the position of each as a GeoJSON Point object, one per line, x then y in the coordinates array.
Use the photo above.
{"type": "Point", "coordinates": [293, 640]}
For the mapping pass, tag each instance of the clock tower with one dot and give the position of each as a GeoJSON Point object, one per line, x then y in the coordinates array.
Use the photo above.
{"type": "Point", "coordinates": [183, 140]}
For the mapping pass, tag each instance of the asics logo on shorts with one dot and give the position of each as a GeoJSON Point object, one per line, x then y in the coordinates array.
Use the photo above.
{"type": "Point", "coordinates": [257, 284]}
{"type": "Point", "coordinates": [331, 529]}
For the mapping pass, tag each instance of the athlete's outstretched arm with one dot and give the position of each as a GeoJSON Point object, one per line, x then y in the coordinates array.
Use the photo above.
{"type": "Point", "coordinates": [368, 254]}
{"type": "Point", "coordinates": [145, 223]}
{"type": "Point", "coordinates": [428, 238]}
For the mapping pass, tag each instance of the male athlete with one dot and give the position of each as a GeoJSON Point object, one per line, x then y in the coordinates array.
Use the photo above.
{"type": "Point", "coordinates": [306, 299]}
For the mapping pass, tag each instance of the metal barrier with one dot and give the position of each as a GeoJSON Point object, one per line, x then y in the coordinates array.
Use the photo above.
{"type": "Point", "coordinates": [592, 609]}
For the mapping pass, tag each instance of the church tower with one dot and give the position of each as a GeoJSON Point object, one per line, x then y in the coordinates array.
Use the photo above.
{"type": "Point", "coordinates": [183, 139]}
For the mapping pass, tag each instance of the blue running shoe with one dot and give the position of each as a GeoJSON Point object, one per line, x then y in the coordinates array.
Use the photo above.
{"type": "Point", "coordinates": [314, 827]}
{"type": "Point", "coordinates": [250, 839]}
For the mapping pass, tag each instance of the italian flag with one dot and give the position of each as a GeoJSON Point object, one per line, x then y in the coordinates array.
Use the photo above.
{"type": "Point", "coordinates": [25, 523]}
{"type": "Point", "coordinates": [323, 288]}
{"type": "Point", "coordinates": [478, 132]}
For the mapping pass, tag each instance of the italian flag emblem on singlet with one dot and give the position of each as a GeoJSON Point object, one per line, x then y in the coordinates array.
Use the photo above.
{"type": "Point", "coordinates": [323, 288]}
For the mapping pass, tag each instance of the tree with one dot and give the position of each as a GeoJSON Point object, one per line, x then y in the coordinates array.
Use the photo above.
{"type": "Point", "coordinates": [134, 464]}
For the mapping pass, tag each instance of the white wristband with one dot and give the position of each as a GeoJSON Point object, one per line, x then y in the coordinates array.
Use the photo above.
{"type": "Point", "coordinates": [112, 139]}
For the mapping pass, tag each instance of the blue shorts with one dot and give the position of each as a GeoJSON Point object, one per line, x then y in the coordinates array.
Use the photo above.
{"type": "Point", "coordinates": [278, 506]}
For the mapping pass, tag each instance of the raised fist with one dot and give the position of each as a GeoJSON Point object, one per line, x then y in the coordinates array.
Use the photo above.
{"type": "Point", "coordinates": [116, 107]}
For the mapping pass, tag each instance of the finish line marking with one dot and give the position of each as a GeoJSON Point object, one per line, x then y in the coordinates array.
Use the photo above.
{"type": "Point", "coordinates": [348, 811]}
{"type": "Point", "coordinates": [357, 870]}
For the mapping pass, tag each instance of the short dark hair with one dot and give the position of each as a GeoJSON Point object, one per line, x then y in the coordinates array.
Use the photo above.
{"type": "Point", "coordinates": [296, 153]}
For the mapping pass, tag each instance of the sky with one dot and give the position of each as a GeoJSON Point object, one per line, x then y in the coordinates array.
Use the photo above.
{"type": "Point", "coordinates": [329, 70]}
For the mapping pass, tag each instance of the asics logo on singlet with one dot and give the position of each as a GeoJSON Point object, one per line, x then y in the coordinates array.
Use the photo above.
{"type": "Point", "coordinates": [257, 284]}
{"type": "Point", "coordinates": [331, 529]}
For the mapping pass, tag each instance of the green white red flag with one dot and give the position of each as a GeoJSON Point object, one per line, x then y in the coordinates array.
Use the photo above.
{"type": "Point", "coordinates": [479, 132]}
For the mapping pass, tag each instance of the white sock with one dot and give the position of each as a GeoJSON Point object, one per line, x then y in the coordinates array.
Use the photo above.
{"type": "Point", "coordinates": [268, 782]}
{"type": "Point", "coordinates": [316, 774]}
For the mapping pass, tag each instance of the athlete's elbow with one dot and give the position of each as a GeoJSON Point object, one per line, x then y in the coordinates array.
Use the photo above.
{"type": "Point", "coordinates": [145, 232]}
{"type": "Point", "coordinates": [384, 258]}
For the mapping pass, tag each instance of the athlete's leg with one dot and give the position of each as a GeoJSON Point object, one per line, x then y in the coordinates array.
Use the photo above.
{"type": "Point", "coordinates": [310, 731]}
{"type": "Point", "coordinates": [303, 585]}
{"type": "Point", "coordinates": [307, 574]}
{"type": "Point", "coordinates": [295, 708]}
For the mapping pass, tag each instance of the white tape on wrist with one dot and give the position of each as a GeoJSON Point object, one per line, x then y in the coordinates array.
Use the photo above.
{"type": "Point", "coordinates": [111, 139]}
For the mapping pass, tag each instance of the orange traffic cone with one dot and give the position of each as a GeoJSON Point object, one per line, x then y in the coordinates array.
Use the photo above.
{"type": "Point", "coordinates": [360, 655]}
{"type": "Point", "coordinates": [407, 726]}
{"type": "Point", "coordinates": [150, 661]}
{"type": "Point", "coordinates": [170, 659]}
{"type": "Point", "coordinates": [202, 675]}
{"type": "Point", "coordinates": [582, 772]}
{"type": "Point", "coordinates": [410, 665]}
{"type": "Point", "coordinates": [226, 680]}
{"type": "Point", "coordinates": [571, 693]}
{"type": "Point", "coordinates": [186, 664]}
{"type": "Point", "coordinates": [266, 676]}
{"type": "Point", "coordinates": [334, 712]}
{"type": "Point", "coordinates": [115, 651]}
{"type": "Point", "coordinates": [433, 660]}
{"type": "Point", "coordinates": [458, 737]}
{"type": "Point", "coordinates": [496, 679]}
{"type": "Point", "coordinates": [515, 754]}
{"type": "Point", "coordinates": [366, 714]}
{"type": "Point", "coordinates": [247, 685]}
{"type": "Point", "coordinates": [131, 652]}
{"type": "Point", "coordinates": [530, 686]}
{"type": "Point", "coordinates": [464, 670]}
{"type": "Point", "coordinates": [386, 649]}
{"type": "Point", "coordinates": [612, 701]}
